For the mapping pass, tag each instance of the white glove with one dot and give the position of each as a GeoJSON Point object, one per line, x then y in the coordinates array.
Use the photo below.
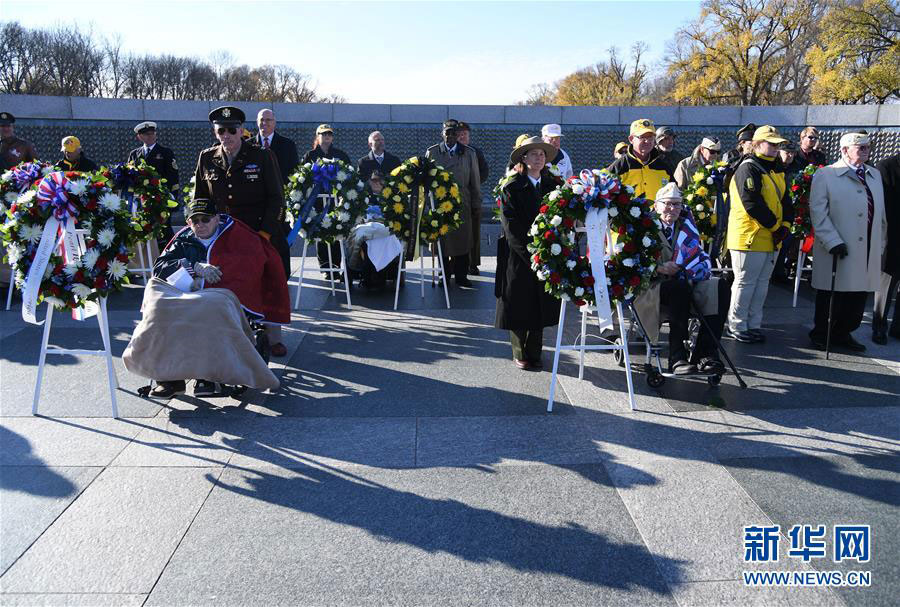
{"type": "Point", "coordinates": [208, 272]}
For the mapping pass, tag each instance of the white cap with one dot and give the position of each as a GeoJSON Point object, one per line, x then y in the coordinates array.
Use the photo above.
{"type": "Point", "coordinates": [854, 139]}
{"type": "Point", "coordinates": [551, 130]}
{"type": "Point", "coordinates": [711, 144]}
{"type": "Point", "coordinates": [669, 191]}
{"type": "Point", "coordinates": [144, 125]}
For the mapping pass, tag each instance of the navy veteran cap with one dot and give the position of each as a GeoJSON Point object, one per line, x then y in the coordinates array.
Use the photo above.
{"type": "Point", "coordinates": [451, 124]}
{"type": "Point", "coordinates": [6, 119]}
{"type": "Point", "coordinates": [145, 126]}
{"type": "Point", "coordinates": [227, 115]}
{"type": "Point", "coordinates": [198, 206]}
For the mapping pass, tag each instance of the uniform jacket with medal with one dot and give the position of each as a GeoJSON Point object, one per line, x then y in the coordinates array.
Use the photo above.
{"type": "Point", "coordinates": [160, 158]}
{"type": "Point", "coordinates": [522, 302]}
{"type": "Point", "coordinates": [839, 209]}
{"type": "Point", "coordinates": [249, 189]}
{"type": "Point", "coordinates": [14, 150]}
{"type": "Point", "coordinates": [463, 166]}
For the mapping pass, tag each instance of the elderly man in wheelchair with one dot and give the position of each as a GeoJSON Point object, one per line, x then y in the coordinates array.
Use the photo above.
{"type": "Point", "coordinates": [212, 285]}
{"type": "Point", "coordinates": [684, 285]}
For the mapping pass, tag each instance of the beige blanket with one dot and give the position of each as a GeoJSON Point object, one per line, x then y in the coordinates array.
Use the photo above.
{"type": "Point", "coordinates": [201, 335]}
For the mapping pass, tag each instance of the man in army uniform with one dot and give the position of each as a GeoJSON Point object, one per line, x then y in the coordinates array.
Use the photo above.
{"type": "Point", "coordinates": [13, 150]}
{"type": "Point", "coordinates": [160, 158]}
{"type": "Point", "coordinates": [243, 181]}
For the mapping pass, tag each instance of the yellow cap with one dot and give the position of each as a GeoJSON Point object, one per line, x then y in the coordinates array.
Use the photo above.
{"type": "Point", "coordinates": [620, 147]}
{"type": "Point", "coordinates": [521, 139]}
{"type": "Point", "coordinates": [70, 144]}
{"type": "Point", "coordinates": [642, 126]}
{"type": "Point", "coordinates": [324, 128]}
{"type": "Point", "coordinates": [768, 133]}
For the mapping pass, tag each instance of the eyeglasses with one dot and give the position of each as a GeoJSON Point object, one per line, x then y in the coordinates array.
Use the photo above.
{"type": "Point", "coordinates": [812, 137]}
{"type": "Point", "coordinates": [221, 130]}
{"type": "Point", "coordinates": [200, 218]}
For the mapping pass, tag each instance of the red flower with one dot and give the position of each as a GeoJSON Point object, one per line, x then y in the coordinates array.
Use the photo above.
{"type": "Point", "coordinates": [618, 290]}
{"type": "Point", "coordinates": [14, 207]}
{"type": "Point", "coordinates": [563, 203]}
{"type": "Point", "coordinates": [71, 175]}
{"type": "Point", "coordinates": [101, 264]}
{"type": "Point", "coordinates": [622, 231]}
{"type": "Point", "coordinates": [544, 208]}
{"type": "Point", "coordinates": [579, 302]}
{"type": "Point", "coordinates": [588, 281]}
{"type": "Point", "coordinates": [566, 251]}
{"type": "Point", "coordinates": [555, 278]}
{"type": "Point", "coordinates": [629, 247]}
{"type": "Point", "coordinates": [569, 222]}
{"type": "Point", "coordinates": [122, 257]}
{"type": "Point", "coordinates": [91, 205]}
{"type": "Point", "coordinates": [154, 181]}
{"type": "Point", "coordinates": [622, 198]}
{"type": "Point", "coordinates": [98, 184]}
{"type": "Point", "coordinates": [58, 269]}
{"type": "Point", "coordinates": [499, 203]}
{"type": "Point", "coordinates": [635, 281]}
{"type": "Point", "coordinates": [795, 188]}
{"type": "Point", "coordinates": [91, 243]}
{"type": "Point", "coordinates": [100, 283]}
{"type": "Point", "coordinates": [79, 276]}
{"type": "Point", "coordinates": [549, 235]}
{"type": "Point", "coordinates": [536, 258]}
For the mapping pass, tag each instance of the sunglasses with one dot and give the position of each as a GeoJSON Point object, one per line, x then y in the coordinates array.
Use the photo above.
{"type": "Point", "coordinates": [812, 138]}
{"type": "Point", "coordinates": [221, 130]}
{"type": "Point", "coordinates": [200, 218]}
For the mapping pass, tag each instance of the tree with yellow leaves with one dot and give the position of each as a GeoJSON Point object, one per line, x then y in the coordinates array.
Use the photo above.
{"type": "Point", "coordinates": [857, 58]}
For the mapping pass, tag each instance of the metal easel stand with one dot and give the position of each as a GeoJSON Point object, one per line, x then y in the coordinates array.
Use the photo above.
{"type": "Point", "coordinates": [581, 346]}
{"type": "Point", "coordinates": [801, 261]}
{"type": "Point", "coordinates": [437, 270]}
{"type": "Point", "coordinates": [106, 352]}
{"type": "Point", "coordinates": [146, 267]}
{"type": "Point", "coordinates": [331, 271]}
{"type": "Point", "coordinates": [12, 285]}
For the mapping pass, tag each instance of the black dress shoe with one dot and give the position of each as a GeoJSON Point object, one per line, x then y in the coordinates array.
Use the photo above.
{"type": "Point", "coordinates": [464, 282]}
{"type": "Point", "coordinates": [474, 271]}
{"type": "Point", "coordinates": [758, 334]}
{"type": "Point", "coordinates": [851, 344]}
{"type": "Point", "coordinates": [537, 364]}
{"type": "Point", "coordinates": [745, 337]}
{"type": "Point", "coordinates": [522, 364]}
{"type": "Point", "coordinates": [880, 337]}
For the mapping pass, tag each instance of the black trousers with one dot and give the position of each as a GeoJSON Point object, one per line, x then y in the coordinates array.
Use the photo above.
{"type": "Point", "coordinates": [458, 265]}
{"type": "Point", "coordinates": [849, 307]}
{"type": "Point", "coordinates": [322, 254]}
{"type": "Point", "coordinates": [675, 295]}
{"type": "Point", "coordinates": [527, 344]}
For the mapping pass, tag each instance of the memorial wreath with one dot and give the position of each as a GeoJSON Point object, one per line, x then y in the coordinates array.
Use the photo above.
{"type": "Point", "coordinates": [146, 196]}
{"type": "Point", "coordinates": [17, 180]}
{"type": "Point", "coordinates": [633, 225]}
{"type": "Point", "coordinates": [405, 205]}
{"type": "Point", "coordinates": [800, 187]}
{"type": "Point", "coordinates": [57, 204]}
{"type": "Point", "coordinates": [700, 197]}
{"type": "Point", "coordinates": [334, 218]}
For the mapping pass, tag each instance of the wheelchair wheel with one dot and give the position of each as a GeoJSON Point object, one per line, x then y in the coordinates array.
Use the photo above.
{"type": "Point", "coordinates": [619, 355]}
{"type": "Point", "coordinates": [655, 379]}
{"type": "Point", "coordinates": [261, 339]}
{"type": "Point", "coordinates": [714, 380]}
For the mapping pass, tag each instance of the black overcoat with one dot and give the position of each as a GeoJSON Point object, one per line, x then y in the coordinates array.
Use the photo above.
{"type": "Point", "coordinates": [521, 300]}
{"type": "Point", "coordinates": [890, 177]}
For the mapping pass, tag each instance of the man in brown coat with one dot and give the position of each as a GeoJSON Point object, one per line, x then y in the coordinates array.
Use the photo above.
{"type": "Point", "coordinates": [13, 150]}
{"type": "Point", "coordinates": [462, 163]}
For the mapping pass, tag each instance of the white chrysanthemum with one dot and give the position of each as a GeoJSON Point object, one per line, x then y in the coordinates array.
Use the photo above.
{"type": "Point", "coordinates": [352, 195]}
{"type": "Point", "coordinates": [7, 176]}
{"type": "Point", "coordinates": [326, 222]}
{"type": "Point", "coordinates": [56, 302]}
{"type": "Point", "coordinates": [699, 207]}
{"type": "Point", "coordinates": [70, 269]}
{"type": "Point", "coordinates": [90, 258]}
{"type": "Point", "coordinates": [619, 247]}
{"type": "Point", "coordinates": [556, 220]}
{"type": "Point", "coordinates": [344, 217]}
{"type": "Point", "coordinates": [116, 269]}
{"type": "Point", "coordinates": [301, 179]}
{"type": "Point", "coordinates": [27, 197]}
{"type": "Point", "coordinates": [534, 230]}
{"type": "Point", "coordinates": [408, 178]}
{"type": "Point", "coordinates": [554, 194]}
{"type": "Point", "coordinates": [77, 187]}
{"type": "Point", "coordinates": [338, 227]}
{"type": "Point", "coordinates": [710, 180]}
{"type": "Point", "coordinates": [111, 201]}
{"type": "Point", "coordinates": [613, 211]}
{"type": "Point", "coordinates": [11, 197]}
{"type": "Point", "coordinates": [15, 252]}
{"type": "Point", "coordinates": [646, 241]}
{"type": "Point", "coordinates": [360, 185]}
{"type": "Point", "coordinates": [555, 249]}
{"type": "Point", "coordinates": [565, 297]}
{"type": "Point", "coordinates": [106, 237]}
{"type": "Point", "coordinates": [30, 233]}
{"type": "Point", "coordinates": [81, 290]}
{"type": "Point", "coordinates": [628, 262]}
{"type": "Point", "coordinates": [341, 176]}
{"type": "Point", "coordinates": [635, 211]}
{"type": "Point", "coordinates": [346, 205]}
{"type": "Point", "coordinates": [571, 264]}
{"type": "Point", "coordinates": [579, 291]}
{"type": "Point", "coordinates": [578, 189]}
{"type": "Point", "coordinates": [296, 195]}
{"type": "Point", "coordinates": [541, 275]}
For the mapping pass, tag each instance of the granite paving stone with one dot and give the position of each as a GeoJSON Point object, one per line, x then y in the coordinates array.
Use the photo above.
{"type": "Point", "coordinates": [13, 599]}
{"type": "Point", "coordinates": [117, 537]}
{"type": "Point", "coordinates": [508, 535]}
{"type": "Point", "coordinates": [37, 441]}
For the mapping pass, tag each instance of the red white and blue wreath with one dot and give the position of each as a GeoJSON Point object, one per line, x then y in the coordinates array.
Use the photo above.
{"type": "Point", "coordinates": [633, 226]}
{"type": "Point", "coordinates": [15, 181]}
{"type": "Point", "coordinates": [332, 218]}
{"type": "Point", "coordinates": [42, 245]}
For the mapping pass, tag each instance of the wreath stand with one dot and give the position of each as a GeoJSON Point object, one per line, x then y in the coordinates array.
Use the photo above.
{"type": "Point", "coordinates": [106, 352]}
{"type": "Point", "coordinates": [437, 269]}
{"type": "Point", "coordinates": [12, 285]}
{"type": "Point", "coordinates": [331, 271]}
{"type": "Point", "coordinates": [146, 267]}
{"type": "Point", "coordinates": [801, 262]}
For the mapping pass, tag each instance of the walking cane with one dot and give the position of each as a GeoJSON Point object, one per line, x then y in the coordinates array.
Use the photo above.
{"type": "Point", "coordinates": [834, 259]}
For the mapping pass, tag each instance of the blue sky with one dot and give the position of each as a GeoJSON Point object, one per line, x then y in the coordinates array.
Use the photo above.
{"type": "Point", "coordinates": [385, 52]}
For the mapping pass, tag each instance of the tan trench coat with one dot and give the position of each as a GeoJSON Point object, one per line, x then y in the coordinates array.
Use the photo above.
{"type": "Point", "coordinates": [839, 211]}
{"type": "Point", "coordinates": [464, 168]}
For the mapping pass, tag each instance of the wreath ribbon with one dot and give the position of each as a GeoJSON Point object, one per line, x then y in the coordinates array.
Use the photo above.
{"type": "Point", "coordinates": [322, 176]}
{"type": "Point", "coordinates": [597, 224]}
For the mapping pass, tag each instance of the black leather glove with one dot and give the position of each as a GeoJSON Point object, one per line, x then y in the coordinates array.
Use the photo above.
{"type": "Point", "coordinates": [780, 234]}
{"type": "Point", "coordinates": [840, 250]}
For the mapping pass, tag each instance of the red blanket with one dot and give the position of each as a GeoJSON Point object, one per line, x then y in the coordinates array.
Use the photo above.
{"type": "Point", "coordinates": [252, 270]}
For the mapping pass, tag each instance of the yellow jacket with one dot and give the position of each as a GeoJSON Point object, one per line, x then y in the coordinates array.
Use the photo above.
{"type": "Point", "coordinates": [760, 205]}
